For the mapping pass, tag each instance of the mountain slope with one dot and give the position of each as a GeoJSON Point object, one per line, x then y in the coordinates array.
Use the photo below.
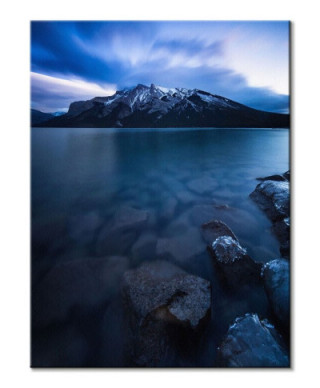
{"type": "Point", "coordinates": [157, 107]}
{"type": "Point", "coordinates": [38, 117]}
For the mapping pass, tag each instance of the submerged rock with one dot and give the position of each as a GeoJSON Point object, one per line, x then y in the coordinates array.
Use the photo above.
{"type": "Point", "coordinates": [202, 185]}
{"type": "Point", "coordinates": [211, 230]}
{"type": "Point", "coordinates": [76, 287]}
{"type": "Point", "coordinates": [251, 342]}
{"type": "Point", "coordinates": [159, 296]}
{"type": "Point", "coordinates": [233, 261]}
{"type": "Point", "coordinates": [276, 275]}
{"type": "Point", "coordinates": [120, 234]}
{"type": "Point", "coordinates": [181, 248]}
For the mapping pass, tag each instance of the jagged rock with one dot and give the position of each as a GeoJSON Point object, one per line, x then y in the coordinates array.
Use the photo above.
{"type": "Point", "coordinates": [116, 238]}
{"type": "Point", "coordinates": [159, 296]}
{"type": "Point", "coordinates": [211, 230]}
{"type": "Point", "coordinates": [78, 286]}
{"type": "Point", "coordinates": [276, 275]}
{"type": "Point", "coordinates": [251, 342]}
{"type": "Point", "coordinates": [287, 175]}
{"type": "Point", "coordinates": [232, 260]}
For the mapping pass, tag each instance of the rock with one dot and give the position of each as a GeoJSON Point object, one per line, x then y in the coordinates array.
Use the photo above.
{"type": "Point", "coordinates": [76, 287]}
{"type": "Point", "coordinates": [287, 175]}
{"type": "Point", "coordinates": [276, 275]}
{"type": "Point", "coordinates": [273, 198]}
{"type": "Point", "coordinates": [277, 177]}
{"type": "Point", "coordinates": [159, 296]}
{"type": "Point", "coordinates": [116, 238]}
{"type": "Point", "coordinates": [251, 342]}
{"type": "Point", "coordinates": [129, 217]}
{"type": "Point", "coordinates": [168, 209]}
{"type": "Point", "coordinates": [182, 247]}
{"type": "Point", "coordinates": [144, 247]}
{"type": "Point", "coordinates": [82, 228]}
{"type": "Point", "coordinates": [211, 230]}
{"type": "Point", "coordinates": [236, 266]}
{"type": "Point", "coordinates": [202, 185]}
{"type": "Point", "coordinates": [282, 230]}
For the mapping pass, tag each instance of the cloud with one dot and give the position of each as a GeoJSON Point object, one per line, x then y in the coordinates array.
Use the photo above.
{"type": "Point", "coordinates": [51, 93]}
{"type": "Point", "coordinates": [243, 61]}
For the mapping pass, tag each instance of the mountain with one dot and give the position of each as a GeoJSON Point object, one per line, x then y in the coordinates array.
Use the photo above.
{"type": "Point", "coordinates": [158, 107]}
{"type": "Point", "coordinates": [38, 117]}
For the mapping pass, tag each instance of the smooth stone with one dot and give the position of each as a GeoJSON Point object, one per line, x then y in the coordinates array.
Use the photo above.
{"type": "Point", "coordinates": [276, 279]}
{"type": "Point", "coordinates": [144, 247]}
{"type": "Point", "coordinates": [251, 342]}
{"type": "Point", "coordinates": [83, 227]}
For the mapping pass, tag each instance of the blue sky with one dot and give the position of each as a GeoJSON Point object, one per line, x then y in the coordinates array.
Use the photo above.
{"type": "Point", "coordinates": [244, 61]}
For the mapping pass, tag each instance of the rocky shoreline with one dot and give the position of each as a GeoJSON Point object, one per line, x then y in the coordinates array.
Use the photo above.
{"type": "Point", "coordinates": [167, 308]}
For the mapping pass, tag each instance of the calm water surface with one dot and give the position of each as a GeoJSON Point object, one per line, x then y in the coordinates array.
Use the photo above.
{"type": "Point", "coordinates": [82, 177]}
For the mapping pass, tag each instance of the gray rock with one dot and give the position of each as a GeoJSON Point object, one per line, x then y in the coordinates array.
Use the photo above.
{"type": "Point", "coordinates": [83, 227]}
{"type": "Point", "coordinates": [233, 262]}
{"type": "Point", "coordinates": [251, 342]}
{"type": "Point", "coordinates": [276, 278]}
{"type": "Point", "coordinates": [78, 286]}
{"type": "Point", "coordinates": [282, 230]}
{"type": "Point", "coordinates": [273, 198]}
{"type": "Point", "coordinates": [211, 230]}
{"type": "Point", "coordinates": [129, 217]}
{"type": "Point", "coordinates": [159, 295]}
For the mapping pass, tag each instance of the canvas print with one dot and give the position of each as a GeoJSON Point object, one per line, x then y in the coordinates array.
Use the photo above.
{"type": "Point", "coordinates": [160, 214]}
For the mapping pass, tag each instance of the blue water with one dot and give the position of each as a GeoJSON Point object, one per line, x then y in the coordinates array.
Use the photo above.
{"type": "Point", "coordinates": [82, 176]}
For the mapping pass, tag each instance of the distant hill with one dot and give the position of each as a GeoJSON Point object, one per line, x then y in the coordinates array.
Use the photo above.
{"type": "Point", "coordinates": [39, 117]}
{"type": "Point", "coordinates": [158, 107]}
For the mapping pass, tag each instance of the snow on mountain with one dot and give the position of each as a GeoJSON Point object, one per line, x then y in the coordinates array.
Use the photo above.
{"type": "Point", "coordinates": [157, 106]}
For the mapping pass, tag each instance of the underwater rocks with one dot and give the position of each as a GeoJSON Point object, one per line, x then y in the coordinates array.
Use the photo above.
{"type": "Point", "coordinates": [233, 262]}
{"type": "Point", "coordinates": [251, 342]}
{"type": "Point", "coordinates": [121, 233]}
{"type": "Point", "coordinates": [276, 275]}
{"type": "Point", "coordinates": [77, 287]}
{"type": "Point", "coordinates": [160, 297]}
{"type": "Point", "coordinates": [273, 197]}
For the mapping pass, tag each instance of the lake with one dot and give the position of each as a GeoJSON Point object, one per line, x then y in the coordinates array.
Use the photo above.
{"type": "Point", "coordinates": [180, 178]}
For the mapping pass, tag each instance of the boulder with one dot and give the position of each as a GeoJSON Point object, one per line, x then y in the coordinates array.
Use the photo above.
{"type": "Point", "coordinates": [211, 230]}
{"type": "Point", "coordinates": [273, 198]}
{"type": "Point", "coordinates": [276, 279]}
{"type": "Point", "coordinates": [277, 177]}
{"type": "Point", "coordinates": [76, 287]}
{"type": "Point", "coordinates": [251, 342]}
{"type": "Point", "coordinates": [233, 262]}
{"type": "Point", "coordinates": [159, 296]}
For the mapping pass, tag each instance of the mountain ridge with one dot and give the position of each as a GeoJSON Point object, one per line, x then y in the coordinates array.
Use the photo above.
{"type": "Point", "coordinates": [158, 107]}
